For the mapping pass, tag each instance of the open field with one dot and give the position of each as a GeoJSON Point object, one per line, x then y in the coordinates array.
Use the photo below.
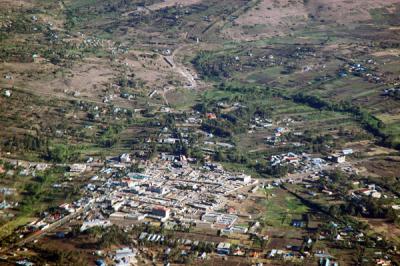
{"type": "Point", "coordinates": [281, 209]}
{"type": "Point", "coordinates": [279, 18]}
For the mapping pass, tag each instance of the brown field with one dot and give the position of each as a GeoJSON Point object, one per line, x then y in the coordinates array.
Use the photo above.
{"type": "Point", "coordinates": [281, 243]}
{"type": "Point", "coordinates": [388, 166]}
{"type": "Point", "coordinates": [86, 78]}
{"type": "Point", "coordinates": [277, 18]}
{"type": "Point", "coordinates": [154, 71]}
{"type": "Point", "coordinates": [17, 3]}
{"type": "Point", "coordinates": [383, 227]}
{"type": "Point", "coordinates": [387, 52]}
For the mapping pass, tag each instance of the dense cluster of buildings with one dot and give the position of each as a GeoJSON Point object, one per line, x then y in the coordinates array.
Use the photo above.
{"type": "Point", "coordinates": [164, 192]}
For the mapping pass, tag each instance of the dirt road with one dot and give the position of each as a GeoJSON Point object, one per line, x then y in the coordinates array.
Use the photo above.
{"type": "Point", "coordinates": [168, 3]}
{"type": "Point", "coordinates": [181, 69]}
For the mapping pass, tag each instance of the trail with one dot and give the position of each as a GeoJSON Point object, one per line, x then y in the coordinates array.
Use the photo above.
{"type": "Point", "coordinates": [221, 22]}
{"type": "Point", "coordinates": [169, 3]}
{"type": "Point", "coordinates": [181, 69]}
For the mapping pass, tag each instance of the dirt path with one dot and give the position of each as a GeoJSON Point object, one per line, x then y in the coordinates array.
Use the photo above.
{"type": "Point", "coordinates": [164, 94]}
{"type": "Point", "coordinates": [168, 3]}
{"type": "Point", "coordinates": [221, 22]}
{"type": "Point", "coordinates": [181, 69]}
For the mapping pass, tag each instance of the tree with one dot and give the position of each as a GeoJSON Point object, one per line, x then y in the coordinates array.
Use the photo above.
{"type": "Point", "coordinates": [60, 153]}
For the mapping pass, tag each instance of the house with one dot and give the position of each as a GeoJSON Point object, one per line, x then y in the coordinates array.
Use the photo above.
{"type": "Point", "coordinates": [125, 256]}
{"type": "Point", "coordinates": [239, 229]}
{"type": "Point", "coordinates": [328, 192]}
{"type": "Point", "coordinates": [203, 225]}
{"type": "Point", "coordinates": [167, 157]}
{"type": "Point", "coordinates": [370, 192]}
{"type": "Point", "coordinates": [169, 140]}
{"type": "Point", "coordinates": [211, 116]}
{"type": "Point", "coordinates": [77, 168]}
{"type": "Point", "coordinates": [67, 207]}
{"type": "Point", "coordinates": [317, 161]}
{"type": "Point", "coordinates": [100, 262]}
{"type": "Point", "coordinates": [41, 166]}
{"type": "Point", "coordinates": [7, 93]}
{"type": "Point", "coordinates": [254, 254]}
{"type": "Point", "coordinates": [243, 178]}
{"type": "Point", "coordinates": [347, 151]}
{"type": "Point", "coordinates": [275, 252]}
{"type": "Point", "coordinates": [338, 158]}
{"type": "Point", "coordinates": [125, 158]}
{"type": "Point", "coordinates": [376, 195]}
{"type": "Point", "coordinates": [231, 210]}
{"type": "Point", "coordinates": [383, 262]}
{"type": "Point", "coordinates": [203, 256]}
{"type": "Point", "coordinates": [159, 189]}
{"type": "Point", "coordinates": [135, 216]}
{"type": "Point", "coordinates": [24, 263]}
{"type": "Point", "coordinates": [220, 220]}
{"type": "Point", "coordinates": [160, 212]}
{"type": "Point", "coordinates": [92, 223]}
{"type": "Point", "coordinates": [238, 252]}
{"type": "Point", "coordinates": [297, 223]}
{"type": "Point", "coordinates": [137, 176]}
{"type": "Point", "coordinates": [224, 248]}
{"type": "Point", "coordinates": [4, 205]}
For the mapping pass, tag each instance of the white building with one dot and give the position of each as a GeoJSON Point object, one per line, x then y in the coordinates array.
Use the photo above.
{"type": "Point", "coordinates": [7, 93]}
{"type": "Point", "coordinates": [125, 256]}
{"type": "Point", "coordinates": [244, 178]}
{"type": "Point", "coordinates": [92, 223]}
{"type": "Point", "coordinates": [125, 158]}
{"type": "Point", "coordinates": [78, 168]}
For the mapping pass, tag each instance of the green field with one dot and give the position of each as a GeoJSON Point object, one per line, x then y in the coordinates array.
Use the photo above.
{"type": "Point", "coordinates": [281, 209]}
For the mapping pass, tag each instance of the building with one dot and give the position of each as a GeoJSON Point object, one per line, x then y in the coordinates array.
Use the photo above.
{"type": "Point", "coordinates": [243, 178]}
{"type": "Point", "coordinates": [219, 220]}
{"type": "Point", "coordinates": [41, 166]}
{"type": "Point", "coordinates": [158, 189]}
{"type": "Point", "coordinates": [125, 158]}
{"type": "Point", "coordinates": [93, 223]}
{"type": "Point", "coordinates": [125, 256]}
{"type": "Point", "coordinates": [347, 151]}
{"type": "Point", "coordinates": [224, 248]}
{"type": "Point", "coordinates": [77, 168]}
{"type": "Point", "coordinates": [376, 194]}
{"type": "Point", "coordinates": [203, 225]}
{"type": "Point", "coordinates": [168, 140]}
{"type": "Point", "coordinates": [100, 262]}
{"type": "Point", "coordinates": [339, 158]}
{"type": "Point", "coordinates": [137, 176]}
{"type": "Point", "coordinates": [211, 116]}
{"type": "Point", "coordinates": [24, 263]}
{"type": "Point", "coordinates": [161, 212]}
{"type": "Point", "coordinates": [7, 93]}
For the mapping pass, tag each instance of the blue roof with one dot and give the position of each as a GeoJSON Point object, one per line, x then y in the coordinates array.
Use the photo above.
{"type": "Point", "coordinates": [100, 262]}
{"type": "Point", "coordinates": [137, 176]}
